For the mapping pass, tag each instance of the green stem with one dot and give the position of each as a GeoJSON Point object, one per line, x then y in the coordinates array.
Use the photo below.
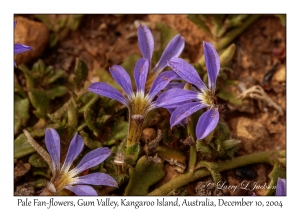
{"type": "Point", "coordinates": [134, 132]}
{"type": "Point", "coordinates": [193, 151]}
{"type": "Point", "coordinates": [183, 179]}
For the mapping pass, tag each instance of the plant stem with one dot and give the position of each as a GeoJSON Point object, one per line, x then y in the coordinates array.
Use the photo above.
{"type": "Point", "coordinates": [183, 179]}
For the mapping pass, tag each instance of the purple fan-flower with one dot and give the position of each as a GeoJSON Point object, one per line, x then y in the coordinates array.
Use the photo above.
{"type": "Point", "coordinates": [64, 178]}
{"type": "Point", "coordinates": [203, 98]}
{"type": "Point", "coordinates": [139, 103]}
{"type": "Point", "coordinates": [146, 45]}
{"type": "Point", "coordinates": [19, 48]}
{"type": "Point", "coordinates": [281, 187]}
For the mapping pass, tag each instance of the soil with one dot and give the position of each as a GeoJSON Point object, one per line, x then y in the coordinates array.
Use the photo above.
{"type": "Point", "coordinates": [104, 40]}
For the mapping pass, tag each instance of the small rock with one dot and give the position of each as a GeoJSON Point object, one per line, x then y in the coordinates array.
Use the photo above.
{"type": "Point", "coordinates": [148, 134]}
{"type": "Point", "coordinates": [32, 33]}
{"type": "Point", "coordinates": [253, 135]}
{"type": "Point", "coordinates": [280, 75]}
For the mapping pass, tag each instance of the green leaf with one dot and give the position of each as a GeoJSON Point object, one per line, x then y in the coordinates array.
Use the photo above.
{"type": "Point", "coordinates": [227, 55]}
{"type": "Point", "coordinates": [81, 73]}
{"type": "Point", "coordinates": [279, 171]}
{"type": "Point", "coordinates": [89, 142]}
{"type": "Point", "coordinates": [40, 102]}
{"type": "Point", "coordinates": [74, 21]}
{"type": "Point", "coordinates": [90, 120]}
{"type": "Point", "coordinates": [229, 96]}
{"type": "Point", "coordinates": [72, 115]}
{"type": "Point", "coordinates": [37, 161]}
{"type": "Point", "coordinates": [58, 74]}
{"type": "Point", "coordinates": [212, 168]}
{"type": "Point", "coordinates": [22, 147]}
{"type": "Point", "coordinates": [118, 132]}
{"type": "Point", "coordinates": [87, 100]}
{"type": "Point", "coordinates": [21, 113]}
{"type": "Point", "coordinates": [147, 172]}
{"type": "Point", "coordinates": [41, 183]}
{"type": "Point", "coordinates": [56, 91]}
{"type": "Point", "coordinates": [169, 153]}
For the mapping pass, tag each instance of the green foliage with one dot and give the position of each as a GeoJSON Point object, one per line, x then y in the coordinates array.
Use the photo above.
{"type": "Point", "coordinates": [170, 154]}
{"type": "Point", "coordinates": [59, 25]}
{"type": "Point", "coordinates": [279, 171]}
{"type": "Point", "coordinates": [147, 172]}
{"type": "Point", "coordinates": [37, 161]}
{"type": "Point", "coordinates": [90, 143]}
{"type": "Point", "coordinates": [212, 168]}
{"type": "Point", "coordinates": [21, 113]}
{"type": "Point", "coordinates": [22, 147]}
{"type": "Point", "coordinates": [118, 132]}
{"type": "Point", "coordinates": [81, 73]}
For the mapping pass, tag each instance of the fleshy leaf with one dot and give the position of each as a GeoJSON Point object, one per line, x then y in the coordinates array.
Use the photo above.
{"type": "Point", "coordinates": [22, 147]}
{"type": "Point", "coordinates": [147, 172]}
{"type": "Point", "coordinates": [21, 113]}
{"type": "Point", "coordinates": [81, 72]}
{"type": "Point", "coordinates": [207, 123]}
{"type": "Point", "coordinates": [187, 72]}
{"type": "Point", "coordinates": [56, 91]}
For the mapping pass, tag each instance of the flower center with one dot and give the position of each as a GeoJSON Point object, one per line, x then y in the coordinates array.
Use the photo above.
{"type": "Point", "coordinates": [139, 104]}
{"type": "Point", "coordinates": [207, 97]}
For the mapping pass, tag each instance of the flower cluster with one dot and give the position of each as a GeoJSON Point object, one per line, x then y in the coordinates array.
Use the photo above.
{"type": "Point", "coordinates": [139, 102]}
{"type": "Point", "coordinates": [188, 102]}
{"type": "Point", "coordinates": [19, 48]}
{"type": "Point", "coordinates": [64, 178]}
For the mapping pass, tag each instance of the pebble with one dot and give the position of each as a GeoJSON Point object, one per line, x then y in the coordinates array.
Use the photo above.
{"type": "Point", "coordinates": [31, 33]}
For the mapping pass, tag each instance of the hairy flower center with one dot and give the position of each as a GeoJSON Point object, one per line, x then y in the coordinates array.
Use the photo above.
{"type": "Point", "coordinates": [139, 104]}
{"type": "Point", "coordinates": [207, 97]}
{"type": "Point", "coordinates": [61, 181]}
